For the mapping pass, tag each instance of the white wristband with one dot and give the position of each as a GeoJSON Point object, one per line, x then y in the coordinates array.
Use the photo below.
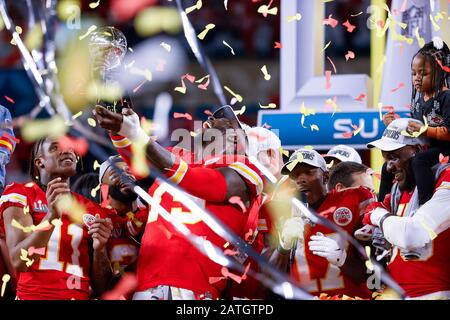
{"type": "Point", "coordinates": [132, 130]}
{"type": "Point", "coordinates": [376, 216]}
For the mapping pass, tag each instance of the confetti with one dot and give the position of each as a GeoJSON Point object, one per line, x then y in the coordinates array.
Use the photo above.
{"type": "Point", "coordinates": [208, 27]}
{"type": "Point", "coordinates": [227, 274]}
{"type": "Point", "coordinates": [229, 252]}
{"type": "Point", "coordinates": [445, 68]}
{"type": "Point", "coordinates": [415, 134]}
{"type": "Point", "coordinates": [232, 51]}
{"type": "Point", "coordinates": [360, 97]}
{"type": "Point", "coordinates": [208, 112]}
{"type": "Point", "coordinates": [284, 152]}
{"type": "Point", "coordinates": [241, 111]}
{"type": "Point", "coordinates": [326, 46]}
{"type": "Point", "coordinates": [5, 278]}
{"type": "Point", "coordinates": [307, 111]}
{"type": "Point", "coordinates": [332, 102]}
{"type": "Point", "coordinates": [295, 17]}
{"type": "Point", "coordinates": [225, 4]}
{"type": "Point", "coordinates": [187, 76]}
{"type": "Point", "coordinates": [314, 127]}
{"type": "Point", "coordinates": [267, 76]}
{"type": "Point", "coordinates": [442, 159]}
{"type": "Point", "coordinates": [96, 165]}
{"type": "Point", "coordinates": [357, 129]}
{"type": "Point", "coordinates": [146, 73]}
{"type": "Point", "coordinates": [420, 40]}
{"type": "Point", "coordinates": [278, 45]}
{"type": "Point", "coordinates": [132, 217]}
{"type": "Point", "coordinates": [78, 144]}
{"type": "Point", "coordinates": [139, 86]}
{"type": "Point", "coordinates": [205, 85]}
{"type": "Point", "coordinates": [334, 67]}
{"type": "Point", "coordinates": [292, 165]}
{"type": "Point", "coordinates": [178, 115]}
{"type": "Point", "coordinates": [400, 86]}
{"type": "Point", "coordinates": [90, 30]}
{"type": "Point", "coordinates": [166, 46]}
{"type": "Point", "coordinates": [37, 129]}
{"type": "Point", "coordinates": [264, 10]}
{"type": "Point", "coordinates": [237, 96]}
{"type": "Point", "coordinates": [196, 6]}
{"type": "Point", "coordinates": [40, 227]}
{"type": "Point", "coordinates": [329, 165]}
{"type": "Point", "coordinates": [94, 5]}
{"type": "Point", "coordinates": [369, 264]}
{"type": "Point", "coordinates": [92, 122]}
{"type": "Point", "coordinates": [126, 285]}
{"type": "Point", "coordinates": [355, 15]}
{"type": "Point", "coordinates": [9, 99]}
{"type": "Point", "coordinates": [349, 55]}
{"type": "Point", "coordinates": [213, 280]}
{"type": "Point", "coordinates": [77, 115]}
{"type": "Point", "coordinates": [403, 6]}
{"type": "Point", "coordinates": [26, 210]}
{"type": "Point", "coordinates": [327, 79]}
{"type": "Point", "coordinates": [104, 190]}
{"type": "Point", "coordinates": [349, 26]}
{"type": "Point", "coordinates": [39, 251]}
{"type": "Point", "coordinates": [237, 200]}
{"type": "Point", "coordinates": [269, 106]}
{"type": "Point", "coordinates": [94, 191]}
{"type": "Point", "coordinates": [265, 125]}
{"type": "Point", "coordinates": [330, 21]}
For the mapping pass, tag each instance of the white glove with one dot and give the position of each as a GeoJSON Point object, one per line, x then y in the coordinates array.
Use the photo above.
{"type": "Point", "coordinates": [292, 231]}
{"type": "Point", "coordinates": [327, 248]}
{"type": "Point", "coordinates": [131, 127]}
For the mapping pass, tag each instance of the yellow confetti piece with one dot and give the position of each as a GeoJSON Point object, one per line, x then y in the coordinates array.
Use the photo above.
{"type": "Point", "coordinates": [32, 228]}
{"type": "Point", "coordinates": [295, 17]}
{"type": "Point", "coordinates": [369, 264]}
{"type": "Point", "coordinates": [237, 96]}
{"type": "Point", "coordinates": [314, 127]}
{"type": "Point", "coordinates": [77, 115]}
{"type": "Point", "coordinates": [307, 111]}
{"type": "Point", "coordinates": [2, 24]}
{"type": "Point", "coordinates": [57, 222]}
{"type": "Point", "coordinates": [129, 65]}
{"type": "Point", "coordinates": [226, 245]}
{"type": "Point", "coordinates": [208, 27]}
{"type": "Point", "coordinates": [306, 147]}
{"type": "Point", "coordinates": [420, 40]}
{"type": "Point", "coordinates": [19, 29]}
{"type": "Point", "coordinates": [232, 51]}
{"type": "Point", "coordinates": [96, 165]}
{"type": "Point", "coordinates": [326, 46]}
{"type": "Point", "coordinates": [26, 210]}
{"type": "Point", "coordinates": [241, 111]}
{"type": "Point", "coordinates": [292, 165]}
{"type": "Point", "coordinates": [166, 46]}
{"type": "Point", "coordinates": [380, 108]}
{"type": "Point", "coordinates": [94, 191]}
{"type": "Point", "coordinates": [138, 160]}
{"type": "Point", "coordinates": [284, 152]}
{"type": "Point", "coordinates": [131, 216]}
{"type": "Point", "coordinates": [68, 204]}
{"type": "Point", "coordinates": [435, 25]}
{"type": "Point", "coordinates": [146, 73]}
{"type": "Point", "coordinates": [34, 37]}
{"type": "Point", "coordinates": [196, 6]}
{"type": "Point", "coordinates": [111, 92]}
{"type": "Point", "coordinates": [417, 133]}
{"type": "Point", "coordinates": [266, 74]}
{"type": "Point", "coordinates": [37, 129]}
{"type": "Point", "coordinates": [193, 134]}
{"type": "Point", "coordinates": [5, 278]}
{"type": "Point", "coordinates": [329, 165]}
{"type": "Point", "coordinates": [269, 106]}
{"type": "Point", "coordinates": [92, 122]}
{"type": "Point", "coordinates": [94, 5]}
{"type": "Point", "coordinates": [89, 31]}
{"type": "Point", "coordinates": [264, 10]}
{"type": "Point", "coordinates": [358, 130]}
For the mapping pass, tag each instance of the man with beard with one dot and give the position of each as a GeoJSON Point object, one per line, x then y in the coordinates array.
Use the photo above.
{"type": "Point", "coordinates": [169, 267]}
{"type": "Point", "coordinates": [131, 215]}
{"type": "Point", "coordinates": [323, 262]}
{"type": "Point", "coordinates": [419, 234]}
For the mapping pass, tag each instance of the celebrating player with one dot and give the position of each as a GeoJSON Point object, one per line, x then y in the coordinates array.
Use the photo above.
{"type": "Point", "coordinates": [55, 255]}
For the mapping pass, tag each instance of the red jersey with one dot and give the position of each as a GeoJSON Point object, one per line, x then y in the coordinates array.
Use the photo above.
{"type": "Point", "coordinates": [430, 273]}
{"type": "Point", "coordinates": [63, 271]}
{"type": "Point", "coordinates": [166, 258]}
{"type": "Point", "coordinates": [315, 273]}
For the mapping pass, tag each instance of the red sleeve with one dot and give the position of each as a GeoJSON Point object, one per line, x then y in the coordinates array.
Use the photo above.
{"type": "Point", "coordinates": [14, 195]}
{"type": "Point", "coordinates": [366, 197]}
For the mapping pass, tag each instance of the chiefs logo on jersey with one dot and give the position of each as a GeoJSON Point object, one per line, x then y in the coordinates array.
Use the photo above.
{"type": "Point", "coordinates": [342, 216]}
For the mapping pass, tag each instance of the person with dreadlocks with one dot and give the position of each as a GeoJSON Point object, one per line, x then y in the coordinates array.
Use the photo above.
{"type": "Point", "coordinates": [55, 250]}
{"type": "Point", "coordinates": [430, 100]}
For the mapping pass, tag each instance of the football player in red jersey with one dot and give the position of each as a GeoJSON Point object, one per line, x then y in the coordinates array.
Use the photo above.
{"type": "Point", "coordinates": [49, 248]}
{"type": "Point", "coordinates": [323, 262]}
{"type": "Point", "coordinates": [419, 234]}
{"type": "Point", "coordinates": [169, 267]}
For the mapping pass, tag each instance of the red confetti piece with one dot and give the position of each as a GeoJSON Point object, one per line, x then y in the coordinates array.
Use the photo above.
{"type": "Point", "coordinates": [139, 86]}
{"type": "Point", "coordinates": [9, 99]}
{"type": "Point", "coordinates": [79, 145]}
{"type": "Point", "coordinates": [265, 125]}
{"type": "Point", "coordinates": [327, 79]}
{"type": "Point", "coordinates": [349, 55]}
{"type": "Point", "coordinates": [205, 85]}
{"type": "Point", "coordinates": [237, 200]}
{"type": "Point", "coordinates": [213, 280]}
{"type": "Point", "coordinates": [226, 273]}
{"type": "Point", "coordinates": [380, 23]}
{"type": "Point", "coordinates": [442, 159]}
{"type": "Point", "coordinates": [326, 212]}
{"type": "Point", "coordinates": [161, 65]}
{"type": "Point", "coordinates": [347, 135]}
{"type": "Point", "coordinates": [330, 21]}
{"type": "Point", "coordinates": [360, 97]}
{"type": "Point", "coordinates": [278, 45]}
{"type": "Point", "coordinates": [127, 284]}
{"type": "Point", "coordinates": [403, 7]}
{"type": "Point", "coordinates": [39, 251]}
{"type": "Point", "coordinates": [104, 189]}
{"type": "Point", "coordinates": [178, 115]}
{"type": "Point", "coordinates": [229, 252]}
{"type": "Point", "coordinates": [208, 112]}
{"type": "Point", "coordinates": [334, 67]}
{"type": "Point", "coordinates": [400, 86]}
{"type": "Point", "coordinates": [349, 26]}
